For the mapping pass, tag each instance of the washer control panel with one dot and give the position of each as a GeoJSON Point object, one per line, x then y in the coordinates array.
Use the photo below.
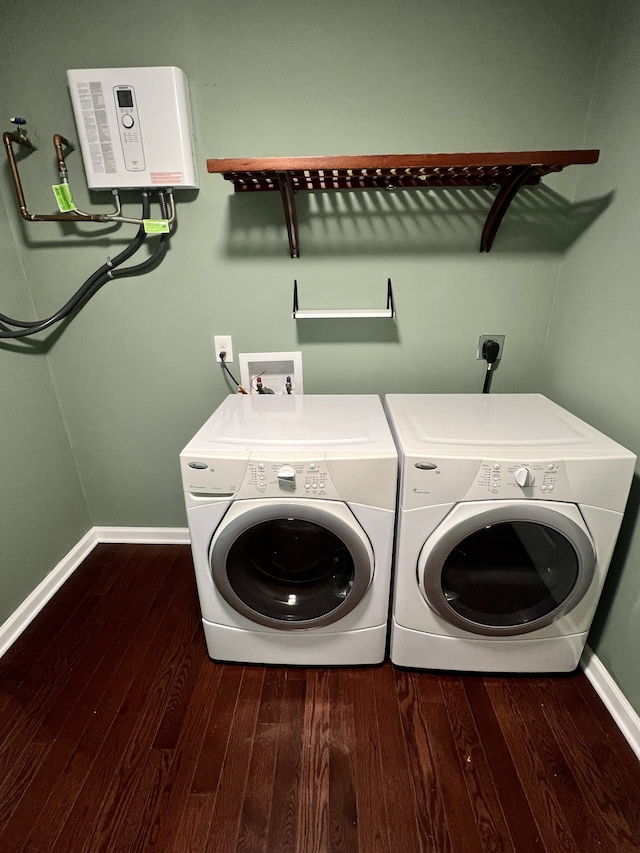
{"type": "Point", "coordinates": [282, 477]}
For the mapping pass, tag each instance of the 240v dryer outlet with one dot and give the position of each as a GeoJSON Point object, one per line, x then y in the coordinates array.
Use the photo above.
{"type": "Point", "coordinates": [499, 339]}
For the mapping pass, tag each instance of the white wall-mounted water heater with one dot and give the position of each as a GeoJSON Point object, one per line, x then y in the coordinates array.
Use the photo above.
{"type": "Point", "coordinates": [134, 126]}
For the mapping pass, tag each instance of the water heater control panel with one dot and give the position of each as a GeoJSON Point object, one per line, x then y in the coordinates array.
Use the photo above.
{"type": "Point", "coordinates": [134, 126]}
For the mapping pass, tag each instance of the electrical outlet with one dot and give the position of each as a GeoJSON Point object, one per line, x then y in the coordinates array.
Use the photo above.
{"type": "Point", "coordinates": [499, 339]}
{"type": "Point", "coordinates": [222, 343]}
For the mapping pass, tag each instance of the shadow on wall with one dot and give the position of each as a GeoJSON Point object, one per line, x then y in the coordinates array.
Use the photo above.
{"type": "Point", "coordinates": [346, 331]}
{"type": "Point", "coordinates": [618, 562]}
{"type": "Point", "coordinates": [406, 221]}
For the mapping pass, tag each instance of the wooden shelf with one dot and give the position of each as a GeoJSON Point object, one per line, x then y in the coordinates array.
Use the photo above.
{"type": "Point", "coordinates": [507, 171]}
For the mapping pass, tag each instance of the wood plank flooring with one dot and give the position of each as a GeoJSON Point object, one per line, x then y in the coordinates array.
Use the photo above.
{"type": "Point", "coordinates": [117, 733]}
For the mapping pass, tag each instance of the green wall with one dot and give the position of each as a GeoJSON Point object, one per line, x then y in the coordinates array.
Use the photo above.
{"type": "Point", "coordinates": [592, 360]}
{"type": "Point", "coordinates": [134, 375]}
{"type": "Point", "coordinates": [42, 509]}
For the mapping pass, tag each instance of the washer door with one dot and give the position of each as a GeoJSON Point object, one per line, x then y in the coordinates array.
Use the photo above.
{"type": "Point", "coordinates": [506, 568]}
{"type": "Point", "coordinates": [291, 564]}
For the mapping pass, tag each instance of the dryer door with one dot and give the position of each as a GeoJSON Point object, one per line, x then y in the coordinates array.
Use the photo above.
{"type": "Point", "coordinates": [291, 564]}
{"type": "Point", "coordinates": [507, 567]}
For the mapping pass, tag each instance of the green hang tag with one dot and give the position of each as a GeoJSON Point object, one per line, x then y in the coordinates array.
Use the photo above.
{"type": "Point", "coordinates": [156, 226]}
{"type": "Point", "coordinates": [62, 192]}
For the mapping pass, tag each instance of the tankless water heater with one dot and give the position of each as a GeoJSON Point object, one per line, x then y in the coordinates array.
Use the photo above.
{"type": "Point", "coordinates": [134, 126]}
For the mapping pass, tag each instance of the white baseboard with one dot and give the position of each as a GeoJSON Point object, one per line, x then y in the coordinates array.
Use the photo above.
{"type": "Point", "coordinates": [613, 698]}
{"type": "Point", "coordinates": [144, 535]}
{"type": "Point", "coordinates": [46, 589]}
{"type": "Point", "coordinates": [21, 618]}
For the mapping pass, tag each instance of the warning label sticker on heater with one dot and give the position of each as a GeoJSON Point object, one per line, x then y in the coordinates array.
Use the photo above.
{"type": "Point", "coordinates": [167, 179]}
{"type": "Point", "coordinates": [96, 127]}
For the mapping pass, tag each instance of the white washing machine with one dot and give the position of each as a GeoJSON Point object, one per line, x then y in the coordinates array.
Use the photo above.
{"type": "Point", "coordinates": [509, 510]}
{"type": "Point", "coordinates": [291, 510]}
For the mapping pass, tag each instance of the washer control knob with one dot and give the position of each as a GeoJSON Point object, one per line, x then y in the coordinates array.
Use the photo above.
{"type": "Point", "coordinates": [523, 476]}
{"type": "Point", "coordinates": [287, 478]}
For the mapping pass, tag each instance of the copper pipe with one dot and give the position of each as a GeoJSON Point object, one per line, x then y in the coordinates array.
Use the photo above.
{"type": "Point", "coordinates": [8, 139]}
{"type": "Point", "coordinates": [58, 142]}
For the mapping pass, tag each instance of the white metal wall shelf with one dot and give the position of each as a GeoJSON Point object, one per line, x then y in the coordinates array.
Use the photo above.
{"type": "Point", "coordinates": [345, 313]}
{"type": "Point", "coordinates": [507, 170]}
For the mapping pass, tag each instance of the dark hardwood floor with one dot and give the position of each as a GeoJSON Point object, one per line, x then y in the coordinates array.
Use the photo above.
{"type": "Point", "coordinates": [117, 733]}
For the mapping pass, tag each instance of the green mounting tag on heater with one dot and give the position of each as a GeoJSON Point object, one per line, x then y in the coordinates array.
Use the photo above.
{"type": "Point", "coordinates": [156, 226]}
{"type": "Point", "coordinates": [63, 197]}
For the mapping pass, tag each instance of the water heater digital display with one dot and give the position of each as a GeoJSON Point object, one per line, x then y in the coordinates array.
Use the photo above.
{"type": "Point", "coordinates": [134, 126]}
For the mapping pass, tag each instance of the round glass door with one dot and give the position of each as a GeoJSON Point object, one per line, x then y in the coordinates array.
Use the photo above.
{"type": "Point", "coordinates": [508, 572]}
{"type": "Point", "coordinates": [292, 566]}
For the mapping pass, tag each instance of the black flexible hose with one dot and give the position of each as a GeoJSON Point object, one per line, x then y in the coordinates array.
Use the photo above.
{"type": "Point", "coordinates": [95, 281]}
{"type": "Point", "coordinates": [79, 299]}
{"type": "Point", "coordinates": [146, 266]}
{"type": "Point", "coordinates": [66, 309]}
{"type": "Point", "coordinates": [158, 254]}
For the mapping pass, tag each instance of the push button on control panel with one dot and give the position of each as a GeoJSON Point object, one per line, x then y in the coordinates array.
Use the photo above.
{"type": "Point", "coordinates": [490, 477]}
{"type": "Point", "coordinates": [315, 480]}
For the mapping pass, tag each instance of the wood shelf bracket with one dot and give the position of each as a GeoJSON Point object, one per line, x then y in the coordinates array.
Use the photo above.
{"type": "Point", "coordinates": [520, 175]}
{"type": "Point", "coordinates": [287, 194]}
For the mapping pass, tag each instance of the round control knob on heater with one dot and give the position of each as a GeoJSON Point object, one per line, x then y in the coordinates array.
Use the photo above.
{"type": "Point", "coordinates": [523, 476]}
{"type": "Point", "coordinates": [287, 478]}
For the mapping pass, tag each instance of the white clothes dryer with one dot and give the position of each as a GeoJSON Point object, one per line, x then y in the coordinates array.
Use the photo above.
{"type": "Point", "coordinates": [509, 510]}
{"type": "Point", "coordinates": [291, 509]}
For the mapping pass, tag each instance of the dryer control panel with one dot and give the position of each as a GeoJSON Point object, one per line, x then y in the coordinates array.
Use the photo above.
{"type": "Point", "coordinates": [431, 481]}
{"type": "Point", "coordinates": [523, 478]}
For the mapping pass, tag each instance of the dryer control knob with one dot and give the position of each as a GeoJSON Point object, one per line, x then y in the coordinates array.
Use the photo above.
{"type": "Point", "coordinates": [287, 477]}
{"type": "Point", "coordinates": [523, 477]}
